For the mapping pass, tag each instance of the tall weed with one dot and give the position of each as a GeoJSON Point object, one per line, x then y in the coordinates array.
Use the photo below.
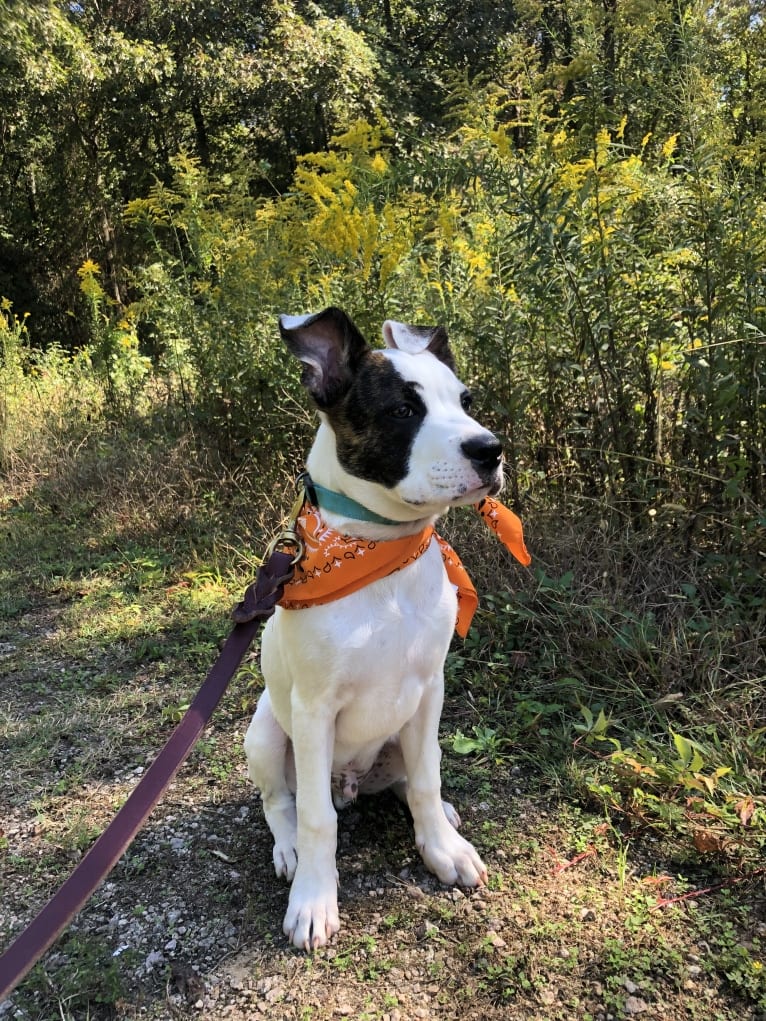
{"type": "Point", "coordinates": [46, 398]}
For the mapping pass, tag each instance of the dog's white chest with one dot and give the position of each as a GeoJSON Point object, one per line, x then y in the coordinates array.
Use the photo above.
{"type": "Point", "coordinates": [369, 655]}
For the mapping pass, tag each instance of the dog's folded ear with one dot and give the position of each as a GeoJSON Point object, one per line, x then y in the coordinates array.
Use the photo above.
{"type": "Point", "coordinates": [330, 347]}
{"type": "Point", "coordinates": [415, 339]}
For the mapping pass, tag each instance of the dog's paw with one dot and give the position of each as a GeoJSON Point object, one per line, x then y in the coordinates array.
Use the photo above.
{"type": "Point", "coordinates": [312, 912]}
{"type": "Point", "coordinates": [452, 859]}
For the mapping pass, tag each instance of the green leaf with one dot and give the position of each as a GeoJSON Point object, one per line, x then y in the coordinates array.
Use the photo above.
{"type": "Point", "coordinates": [684, 749]}
{"type": "Point", "coordinates": [463, 745]}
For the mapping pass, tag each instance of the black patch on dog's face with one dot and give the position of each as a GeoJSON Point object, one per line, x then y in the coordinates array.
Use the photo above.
{"type": "Point", "coordinates": [376, 422]}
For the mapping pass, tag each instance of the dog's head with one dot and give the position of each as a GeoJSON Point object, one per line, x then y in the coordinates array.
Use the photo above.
{"type": "Point", "coordinates": [400, 417]}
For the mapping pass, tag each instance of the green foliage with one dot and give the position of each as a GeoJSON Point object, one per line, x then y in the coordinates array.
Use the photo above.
{"type": "Point", "coordinates": [42, 395]}
{"type": "Point", "coordinates": [576, 276]}
{"type": "Point", "coordinates": [485, 741]}
{"type": "Point", "coordinates": [674, 787]}
{"type": "Point", "coordinates": [595, 681]}
{"type": "Point", "coordinates": [574, 190]}
{"type": "Point", "coordinates": [743, 967]}
{"type": "Point", "coordinates": [114, 352]}
{"type": "Point", "coordinates": [203, 310]}
{"type": "Point", "coordinates": [96, 101]}
{"type": "Point", "coordinates": [91, 981]}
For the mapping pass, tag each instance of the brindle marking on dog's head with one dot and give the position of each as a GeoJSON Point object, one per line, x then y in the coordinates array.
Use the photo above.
{"type": "Point", "coordinates": [376, 422]}
{"type": "Point", "coordinates": [373, 411]}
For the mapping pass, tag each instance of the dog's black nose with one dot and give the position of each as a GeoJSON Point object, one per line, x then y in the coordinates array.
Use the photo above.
{"type": "Point", "coordinates": [484, 452]}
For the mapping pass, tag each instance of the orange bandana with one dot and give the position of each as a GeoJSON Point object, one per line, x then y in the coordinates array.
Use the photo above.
{"type": "Point", "coordinates": [336, 565]}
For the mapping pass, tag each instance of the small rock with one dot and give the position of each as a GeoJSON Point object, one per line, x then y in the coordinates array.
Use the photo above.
{"type": "Point", "coordinates": [635, 1005]}
{"type": "Point", "coordinates": [587, 915]}
{"type": "Point", "coordinates": [153, 958]}
{"type": "Point", "coordinates": [630, 987]}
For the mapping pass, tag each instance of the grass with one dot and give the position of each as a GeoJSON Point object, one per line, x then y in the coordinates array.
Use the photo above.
{"type": "Point", "coordinates": [642, 666]}
{"type": "Point", "coordinates": [605, 719]}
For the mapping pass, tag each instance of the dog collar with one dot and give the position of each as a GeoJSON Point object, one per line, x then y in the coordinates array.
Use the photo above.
{"type": "Point", "coordinates": [337, 503]}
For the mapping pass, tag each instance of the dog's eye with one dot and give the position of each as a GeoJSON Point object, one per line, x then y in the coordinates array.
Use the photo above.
{"type": "Point", "coordinates": [402, 411]}
{"type": "Point", "coordinates": [466, 400]}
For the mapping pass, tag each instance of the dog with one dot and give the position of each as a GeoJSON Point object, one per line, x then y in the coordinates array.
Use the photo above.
{"type": "Point", "coordinates": [354, 687]}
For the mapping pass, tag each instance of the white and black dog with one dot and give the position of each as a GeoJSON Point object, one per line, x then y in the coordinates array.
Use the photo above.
{"type": "Point", "coordinates": [354, 688]}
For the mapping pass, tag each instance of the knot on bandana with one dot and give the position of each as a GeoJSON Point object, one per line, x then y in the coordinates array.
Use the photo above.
{"type": "Point", "coordinates": [335, 565]}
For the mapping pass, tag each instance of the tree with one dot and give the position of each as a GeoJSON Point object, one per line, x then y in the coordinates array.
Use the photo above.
{"type": "Point", "coordinates": [99, 97]}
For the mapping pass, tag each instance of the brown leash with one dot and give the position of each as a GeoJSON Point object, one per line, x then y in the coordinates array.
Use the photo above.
{"type": "Point", "coordinates": [257, 606]}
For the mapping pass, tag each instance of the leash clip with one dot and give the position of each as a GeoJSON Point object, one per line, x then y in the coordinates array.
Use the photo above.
{"type": "Point", "coordinates": [288, 540]}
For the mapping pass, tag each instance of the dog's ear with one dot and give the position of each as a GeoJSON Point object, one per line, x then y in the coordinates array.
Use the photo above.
{"type": "Point", "coordinates": [415, 339]}
{"type": "Point", "coordinates": [330, 347]}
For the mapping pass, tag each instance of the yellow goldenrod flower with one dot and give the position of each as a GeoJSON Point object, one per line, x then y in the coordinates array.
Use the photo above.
{"type": "Point", "coordinates": [670, 146]}
{"type": "Point", "coordinates": [88, 269]}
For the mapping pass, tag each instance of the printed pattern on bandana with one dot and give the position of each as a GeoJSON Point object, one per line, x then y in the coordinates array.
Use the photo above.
{"type": "Point", "coordinates": [335, 565]}
{"type": "Point", "coordinates": [507, 527]}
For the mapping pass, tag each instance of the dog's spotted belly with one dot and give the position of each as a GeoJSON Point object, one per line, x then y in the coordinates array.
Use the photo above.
{"type": "Point", "coordinates": [355, 778]}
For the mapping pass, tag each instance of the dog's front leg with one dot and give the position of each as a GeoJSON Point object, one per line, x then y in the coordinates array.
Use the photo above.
{"type": "Point", "coordinates": [312, 911]}
{"type": "Point", "coordinates": [448, 855]}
